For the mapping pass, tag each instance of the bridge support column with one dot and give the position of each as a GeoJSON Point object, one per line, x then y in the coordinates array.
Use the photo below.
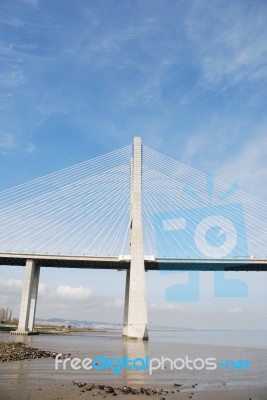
{"type": "Point", "coordinates": [135, 307]}
{"type": "Point", "coordinates": [34, 298]}
{"type": "Point", "coordinates": [28, 299]}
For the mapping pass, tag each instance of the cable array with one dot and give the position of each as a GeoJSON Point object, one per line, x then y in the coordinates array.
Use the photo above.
{"type": "Point", "coordinates": [81, 210]}
{"type": "Point", "coordinates": [85, 210]}
{"type": "Point", "coordinates": [189, 214]}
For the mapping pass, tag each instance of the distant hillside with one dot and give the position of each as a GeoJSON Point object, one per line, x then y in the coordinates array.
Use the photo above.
{"type": "Point", "coordinates": [100, 324]}
{"type": "Point", "coordinates": [78, 323]}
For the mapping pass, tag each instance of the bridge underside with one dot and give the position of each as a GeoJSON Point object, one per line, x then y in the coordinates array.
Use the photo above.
{"type": "Point", "coordinates": [115, 263]}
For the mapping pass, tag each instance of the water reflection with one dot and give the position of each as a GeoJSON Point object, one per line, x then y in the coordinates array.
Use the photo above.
{"type": "Point", "coordinates": [135, 349]}
{"type": "Point", "coordinates": [22, 339]}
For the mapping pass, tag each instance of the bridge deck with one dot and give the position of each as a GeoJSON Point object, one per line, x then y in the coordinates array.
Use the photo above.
{"type": "Point", "coordinates": [122, 263]}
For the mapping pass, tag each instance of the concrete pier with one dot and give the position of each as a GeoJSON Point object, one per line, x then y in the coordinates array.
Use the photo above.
{"type": "Point", "coordinates": [28, 299]}
{"type": "Point", "coordinates": [135, 307]}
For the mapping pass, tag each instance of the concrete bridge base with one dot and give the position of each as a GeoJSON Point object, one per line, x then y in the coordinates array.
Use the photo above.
{"type": "Point", "coordinates": [17, 332]}
{"type": "Point", "coordinates": [28, 299]}
{"type": "Point", "coordinates": [135, 307]}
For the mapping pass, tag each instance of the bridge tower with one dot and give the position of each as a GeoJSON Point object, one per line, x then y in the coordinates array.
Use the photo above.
{"type": "Point", "coordinates": [135, 306]}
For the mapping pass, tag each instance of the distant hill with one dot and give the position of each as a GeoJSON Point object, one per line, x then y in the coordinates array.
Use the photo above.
{"type": "Point", "coordinates": [78, 323]}
{"type": "Point", "coordinates": [101, 324]}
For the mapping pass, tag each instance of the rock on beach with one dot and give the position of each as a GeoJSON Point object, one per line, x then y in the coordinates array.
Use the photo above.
{"type": "Point", "coordinates": [15, 351]}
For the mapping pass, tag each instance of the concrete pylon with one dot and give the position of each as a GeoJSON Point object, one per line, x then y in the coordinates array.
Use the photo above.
{"type": "Point", "coordinates": [34, 296]}
{"type": "Point", "coordinates": [28, 298]}
{"type": "Point", "coordinates": [135, 306]}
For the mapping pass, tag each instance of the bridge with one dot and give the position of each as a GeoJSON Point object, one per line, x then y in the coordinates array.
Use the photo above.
{"type": "Point", "coordinates": [111, 211]}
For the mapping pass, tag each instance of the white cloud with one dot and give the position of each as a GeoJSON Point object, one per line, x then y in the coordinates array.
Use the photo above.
{"type": "Point", "coordinates": [195, 145]}
{"type": "Point", "coordinates": [209, 141]}
{"type": "Point", "coordinates": [7, 141]}
{"type": "Point", "coordinates": [115, 303]}
{"type": "Point", "coordinates": [73, 293]}
{"type": "Point", "coordinates": [10, 283]}
{"type": "Point", "coordinates": [42, 289]}
{"type": "Point", "coordinates": [235, 153]}
{"type": "Point", "coordinates": [33, 3]}
{"type": "Point", "coordinates": [15, 285]}
{"type": "Point", "coordinates": [14, 22]}
{"type": "Point", "coordinates": [12, 78]}
{"type": "Point", "coordinates": [235, 310]}
{"type": "Point", "coordinates": [235, 51]}
{"type": "Point", "coordinates": [248, 166]}
{"type": "Point", "coordinates": [31, 148]}
{"type": "Point", "coordinates": [167, 307]}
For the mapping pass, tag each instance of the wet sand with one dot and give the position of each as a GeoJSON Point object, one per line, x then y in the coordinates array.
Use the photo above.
{"type": "Point", "coordinates": [68, 391]}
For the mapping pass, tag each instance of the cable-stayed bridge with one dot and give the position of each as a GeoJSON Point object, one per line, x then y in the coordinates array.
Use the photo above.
{"type": "Point", "coordinates": [133, 209]}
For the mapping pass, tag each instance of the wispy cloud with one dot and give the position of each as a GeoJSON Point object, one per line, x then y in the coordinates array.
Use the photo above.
{"type": "Point", "coordinates": [12, 78]}
{"type": "Point", "coordinates": [168, 307]}
{"type": "Point", "coordinates": [13, 284]}
{"type": "Point", "coordinates": [248, 165]}
{"type": "Point", "coordinates": [73, 293]}
{"type": "Point", "coordinates": [13, 22]}
{"type": "Point", "coordinates": [31, 148]}
{"type": "Point", "coordinates": [231, 49]}
{"type": "Point", "coordinates": [7, 141]}
{"type": "Point", "coordinates": [117, 303]}
{"type": "Point", "coordinates": [208, 143]}
{"type": "Point", "coordinates": [235, 310]}
{"type": "Point", "coordinates": [34, 3]}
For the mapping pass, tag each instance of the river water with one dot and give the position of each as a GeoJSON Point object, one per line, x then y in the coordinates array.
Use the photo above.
{"type": "Point", "coordinates": [221, 345]}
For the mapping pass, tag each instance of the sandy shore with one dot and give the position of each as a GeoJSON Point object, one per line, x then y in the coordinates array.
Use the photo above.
{"type": "Point", "coordinates": [69, 391]}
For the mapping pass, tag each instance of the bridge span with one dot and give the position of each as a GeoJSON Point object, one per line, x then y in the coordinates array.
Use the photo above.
{"type": "Point", "coordinates": [122, 263]}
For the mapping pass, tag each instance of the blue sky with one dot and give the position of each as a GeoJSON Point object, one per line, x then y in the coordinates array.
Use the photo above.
{"type": "Point", "coordinates": [81, 78]}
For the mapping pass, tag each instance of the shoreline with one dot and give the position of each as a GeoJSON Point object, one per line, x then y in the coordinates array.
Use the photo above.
{"type": "Point", "coordinates": [39, 330]}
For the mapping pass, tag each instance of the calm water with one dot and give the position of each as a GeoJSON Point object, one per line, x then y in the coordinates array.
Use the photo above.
{"type": "Point", "coordinates": [222, 345]}
{"type": "Point", "coordinates": [255, 339]}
